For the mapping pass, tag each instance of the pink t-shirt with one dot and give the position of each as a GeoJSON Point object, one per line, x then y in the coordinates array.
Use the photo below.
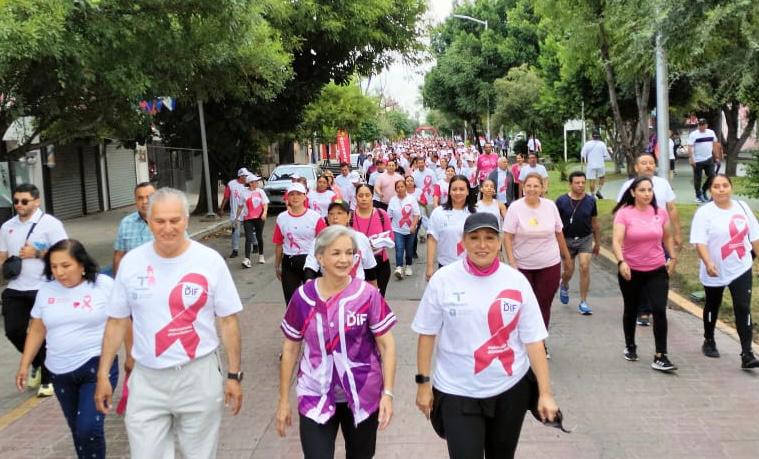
{"type": "Point", "coordinates": [642, 246]}
{"type": "Point", "coordinates": [486, 164]}
{"type": "Point", "coordinates": [374, 225]}
{"type": "Point", "coordinates": [385, 185]}
{"type": "Point", "coordinates": [534, 229]}
{"type": "Point", "coordinates": [515, 170]}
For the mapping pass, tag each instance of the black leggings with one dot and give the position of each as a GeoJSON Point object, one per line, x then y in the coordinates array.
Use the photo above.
{"type": "Point", "coordinates": [254, 235]}
{"type": "Point", "coordinates": [318, 440]}
{"type": "Point", "coordinates": [17, 306]}
{"type": "Point", "coordinates": [651, 286]}
{"type": "Point", "coordinates": [383, 273]}
{"type": "Point", "coordinates": [740, 291]}
{"type": "Point", "coordinates": [490, 425]}
{"type": "Point", "coordinates": [706, 167]}
{"type": "Point", "coordinates": [293, 274]}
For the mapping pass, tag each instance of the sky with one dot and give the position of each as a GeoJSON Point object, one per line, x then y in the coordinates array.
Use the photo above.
{"type": "Point", "coordinates": [400, 81]}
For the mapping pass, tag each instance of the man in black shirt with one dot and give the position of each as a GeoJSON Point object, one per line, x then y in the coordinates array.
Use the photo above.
{"type": "Point", "coordinates": [579, 215]}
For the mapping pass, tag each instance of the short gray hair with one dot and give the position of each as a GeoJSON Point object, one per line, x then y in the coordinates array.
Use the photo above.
{"type": "Point", "coordinates": [330, 234]}
{"type": "Point", "coordinates": [167, 193]}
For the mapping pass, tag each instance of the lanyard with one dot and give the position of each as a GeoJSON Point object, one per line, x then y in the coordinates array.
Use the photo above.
{"type": "Point", "coordinates": [574, 207]}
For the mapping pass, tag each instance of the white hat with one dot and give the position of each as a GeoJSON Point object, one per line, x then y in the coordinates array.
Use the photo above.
{"type": "Point", "coordinates": [242, 171]}
{"type": "Point", "coordinates": [296, 187]}
{"type": "Point", "coordinates": [252, 178]}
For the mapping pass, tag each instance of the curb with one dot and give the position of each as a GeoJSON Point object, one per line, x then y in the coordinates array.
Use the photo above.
{"type": "Point", "coordinates": [210, 229]}
{"type": "Point", "coordinates": [689, 306]}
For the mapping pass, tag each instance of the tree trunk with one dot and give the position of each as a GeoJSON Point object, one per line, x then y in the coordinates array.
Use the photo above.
{"type": "Point", "coordinates": [732, 143]}
{"type": "Point", "coordinates": [201, 208]}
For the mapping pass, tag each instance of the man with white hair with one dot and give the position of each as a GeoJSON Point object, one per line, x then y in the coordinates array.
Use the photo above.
{"type": "Point", "coordinates": [174, 289]}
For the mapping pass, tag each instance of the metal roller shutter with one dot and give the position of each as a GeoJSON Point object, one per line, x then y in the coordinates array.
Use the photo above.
{"type": "Point", "coordinates": [91, 183]}
{"type": "Point", "coordinates": [121, 175]}
{"type": "Point", "coordinates": [66, 184]}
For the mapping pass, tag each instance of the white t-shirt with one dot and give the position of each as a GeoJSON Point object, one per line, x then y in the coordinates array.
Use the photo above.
{"type": "Point", "coordinates": [320, 201]}
{"type": "Point", "coordinates": [173, 302]}
{"type": "Point", "coordinates": [75, 321]}
{"type": "Point", "coordinates": [236, 198]}
{"type": "Point", "coordinates": [252, 203]}
{"type": "Point", "coordinates": [447, 227]}
{"type": "Point", "coordinates": [425, 181]}
{"type": "Point", "coordinates": [347, 189]}
{"type": "Point", "coordinates": [672, 149]}
{"type": "Point", "coordinates": [363, 258]}
{"type": "Point", "coordinates": [482, 326]}
{"type": "Point", "coordinates": [297, 233]}
{"type": "Point", "coordinates": [726, 234]}
{"type": "Point", "coordinates": [441, 191]}
{"type": "Point", "coordinates": [702, 143]}
{"type": "Point", "coordinates": [662, 191]}
{"type": "Point", "coordinates": [13, 233]}
{"type": "Point", "coordinates": [527, 169]}
{"type": "Point", "coordinates": [594, 152]}
{"type": "Point", "coordinates": [402, 213]}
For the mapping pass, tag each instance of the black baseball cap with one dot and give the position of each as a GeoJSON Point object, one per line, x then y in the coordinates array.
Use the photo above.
{"type": "Point", "coordinates": [344, 205]}
{"type": "Point", "coordinates": [702, 121]}
{"type": "Point", "coordinates": [481, 220]}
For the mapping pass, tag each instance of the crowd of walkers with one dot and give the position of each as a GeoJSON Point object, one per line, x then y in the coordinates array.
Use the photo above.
{"type": "Point", "coordinates": [497, 252]}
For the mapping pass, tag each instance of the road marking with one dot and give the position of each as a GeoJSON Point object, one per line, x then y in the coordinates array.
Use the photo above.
{"type": "Point", "coordinates": [18, 412]}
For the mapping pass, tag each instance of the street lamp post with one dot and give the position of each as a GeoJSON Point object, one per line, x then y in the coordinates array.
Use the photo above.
{"type": "Point", "coordinates": [485, 23]}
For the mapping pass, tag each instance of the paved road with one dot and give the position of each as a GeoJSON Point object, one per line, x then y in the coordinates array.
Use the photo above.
{"type": "Point", "coordinates": [618, 409]}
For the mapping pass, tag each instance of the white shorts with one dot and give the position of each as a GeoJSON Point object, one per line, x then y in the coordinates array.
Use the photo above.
{"type": "Point", "coordinates": [595, 172]}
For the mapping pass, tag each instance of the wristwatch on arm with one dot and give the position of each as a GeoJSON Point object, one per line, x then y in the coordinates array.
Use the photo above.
{"type": "Point", "coordinates": [422, 379]}
{"type": "Point", "coordinates": [236, 376]}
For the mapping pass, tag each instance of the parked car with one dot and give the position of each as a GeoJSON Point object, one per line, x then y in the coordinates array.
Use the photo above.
{"type": "Point", "coordinates": [281, 177]}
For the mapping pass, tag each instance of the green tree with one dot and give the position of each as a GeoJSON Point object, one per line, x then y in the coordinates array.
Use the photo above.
{"type": "Point", "coordinates": [338, 107]}
{"type": "Point", "coordinates": [518, 98]}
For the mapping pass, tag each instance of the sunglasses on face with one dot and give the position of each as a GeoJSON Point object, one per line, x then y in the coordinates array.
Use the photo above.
{"type": "Point", "coordinates": [23, 202]}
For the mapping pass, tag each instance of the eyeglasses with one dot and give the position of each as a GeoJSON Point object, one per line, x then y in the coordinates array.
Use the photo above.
{"type": "Point", "coordinates": [23, 202]}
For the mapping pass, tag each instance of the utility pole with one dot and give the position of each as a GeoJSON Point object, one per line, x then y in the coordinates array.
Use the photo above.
{"type": "Point", "coordinates": [662, 103]}
{"type": "Point", "coordinates": [209, 202]}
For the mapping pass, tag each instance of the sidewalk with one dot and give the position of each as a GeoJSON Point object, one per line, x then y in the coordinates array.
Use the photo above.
{"type": "Point", "coordinates": [616, 409]}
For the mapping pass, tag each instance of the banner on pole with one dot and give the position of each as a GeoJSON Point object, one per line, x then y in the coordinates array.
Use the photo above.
{"type": "Point", "coordinates": [343, 146]}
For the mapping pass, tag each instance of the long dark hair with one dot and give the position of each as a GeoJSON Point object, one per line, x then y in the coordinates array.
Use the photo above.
{"type": "Point", "coordinates": [76, 250]}
{"type": "Point", "coordinates": [629, 200]}
{"type": "Point", "coordinates": [471, 207]}
{"type": "Point", "coordinates": [483, 182]}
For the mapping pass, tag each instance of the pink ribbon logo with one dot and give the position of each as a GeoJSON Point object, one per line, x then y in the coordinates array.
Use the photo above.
{"type": "Point", "coordinates": [497, 346]}
{"type": "Point", "coordinates": [292, 241]}
{"type": "Point", "coordinates": [427, 188]}
{"type": "Point", "coordinates": [181, 327]}
{"type": "Point", "coordinates": [405, 216]}
{"type": "Point", "coordinates": [503, 187]}
{"type": "Point", "coordinates": [356, 263]}
{"type": "Point", "coordinates": [459, 248]}
{"type": "Point", "coordinates": [85, 304]}
{"type": "Point", "coordinates": [737, 237]}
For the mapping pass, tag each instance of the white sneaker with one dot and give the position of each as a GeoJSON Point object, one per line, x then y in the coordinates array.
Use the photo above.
{"type": "Point", "coordinates": [34, 379]}
{"type": "Point", "coordinates": [399, 273]}
{"type": "Point", "coordinates": [261, 259]}
{"type": "Point", "coordinates": [45, 390]}
{"type": "Point", "coordinates": [246, 263]}
{"type": "Point", "coordinates": [408, 271]}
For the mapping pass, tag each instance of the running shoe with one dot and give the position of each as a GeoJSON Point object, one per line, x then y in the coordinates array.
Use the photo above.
{"type": "Point", "coordinates": [563, 293]}
{"type": "Point", "coordinates": [709, 348]}
{"type": "Point", "coordinates": [408, 271]}
{"type": "Point", "coordinates": [584, 309]}
{"type": "Point", "coordinates": [233, 254]}
{"type": "Point", "coordinates": [599, 195]}
{"type": "Point", "coordinates": [748, 361]}
{"type": "Point", "coordinates": [662, 363]}
{"type": "Point", "coordinates": [45, 390]}
{"type": "Point", "coordinates": [246, 263]}
{"type": "Point", "coordinates": [631, 353]}
{"type": "Point", "coordinates": [261, 260]}
{"type": "Point", "coordinates": [399, 272]}
{"type": "Point", "coordinates": [35, 378]}
{"type": "Point", "coordinates": [643, 320]}
{"type": "Point", "coordinates": [700, 200]}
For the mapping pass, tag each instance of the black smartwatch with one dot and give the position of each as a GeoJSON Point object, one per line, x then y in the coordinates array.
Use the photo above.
{"type": "Point", "coordinates": [236, 376]}
{"type": "Point", "coordinates": [421, 379]}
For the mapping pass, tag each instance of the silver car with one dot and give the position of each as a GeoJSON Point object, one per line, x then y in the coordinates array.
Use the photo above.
{"type": "Point", "coordinates": [282, 176]}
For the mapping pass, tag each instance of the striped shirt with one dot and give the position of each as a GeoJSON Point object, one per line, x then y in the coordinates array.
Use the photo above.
{"type": "Point", "coordinates": [133, 232]}
{"type": "Point", "coordinates": [340, 359]}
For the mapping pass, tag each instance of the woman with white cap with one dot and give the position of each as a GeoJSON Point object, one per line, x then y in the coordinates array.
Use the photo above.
{"type": "Point", "coordinates": [481, 321]}
{"type": "Point", "coordinates": [294, 233]}
{"type": "Point", "coordinates": [253, 211]}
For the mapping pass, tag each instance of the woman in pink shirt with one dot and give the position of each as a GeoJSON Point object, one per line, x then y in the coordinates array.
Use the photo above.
{"type": "Point", "coordinates": [535, 243]}
{"type": "Point", "coordinates": [515, 170]}
{"type": "Point", "coordinates": [376, 225]}
{"type": "Point", "coordinates": [640, 230]}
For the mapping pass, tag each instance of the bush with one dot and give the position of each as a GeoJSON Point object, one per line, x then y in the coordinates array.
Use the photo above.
{"type": "Point", "coordinates": [751, 185]}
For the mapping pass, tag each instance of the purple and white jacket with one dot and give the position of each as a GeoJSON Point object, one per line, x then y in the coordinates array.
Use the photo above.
{"type": "Point", "coordinates": [340, 355]}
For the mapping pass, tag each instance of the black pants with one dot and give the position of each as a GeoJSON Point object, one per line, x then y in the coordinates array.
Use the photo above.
{"type": "Point", "coordinates": [708, 168]}
{"type": "Point", "coordinates": [416, 239]}
{"type": "Point", "coordinates": [318, 440]}
{"type": "Point", "coordinates": [293, 274]}
{"type": "Point", "coordinates": [383, 273]}
{"type": "Point", "coordinates": [652, 287]}
{"type": "Point", "coordinates": [17, 305]}
{"type": "Point", "coordinates": [490, 425]}
{"type": "Point", "coordinates": [254, 235]}
{"type": "Point", "coordinates": [740, 291]}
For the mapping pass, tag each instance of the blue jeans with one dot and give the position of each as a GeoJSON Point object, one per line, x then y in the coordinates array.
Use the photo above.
{"type": "Point", "coordinates": [404, 245]}
{"type": "Point", "coordinates": [76, 394]}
